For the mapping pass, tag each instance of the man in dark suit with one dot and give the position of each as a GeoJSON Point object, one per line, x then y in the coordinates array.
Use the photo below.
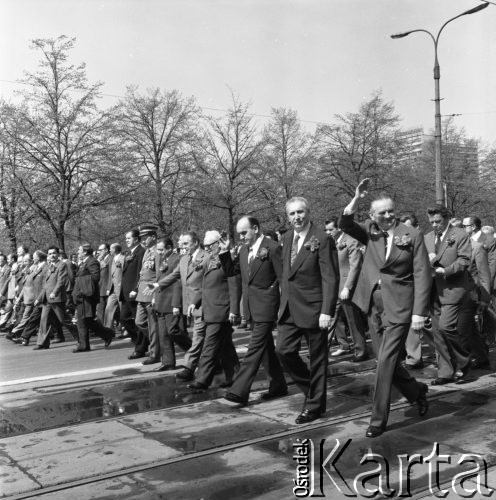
{"type": "Point", "coordinates": [393, 290]}
{"type": "Point", "coordinates": [260, 266]}
{"type": "Point", "coordinates": [133, 261]}
{"type": "Point", "coordinates": [86, 295]}
{"type": "Point", "coordinates": [190, 271]}
{"type": "Point", "coordinates": [52, 298]}
{"type": "Point", "coordinates": [220, 304]}
{"type": "Point", "coordinates": [350, 257]}
{"type": "Point", "coordinates": [309, 291]}
{"type": "Point", "coordinates": [167, 304]}
{"type": "Point", "coordinates": [449, 254]}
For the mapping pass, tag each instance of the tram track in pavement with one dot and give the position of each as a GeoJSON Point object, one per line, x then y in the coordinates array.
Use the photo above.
{"type": "Point", "coordinates": [292, 432]}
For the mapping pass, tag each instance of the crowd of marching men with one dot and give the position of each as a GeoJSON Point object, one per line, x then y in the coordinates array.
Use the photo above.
{"type": "Point", "coordinates": [328, 284]}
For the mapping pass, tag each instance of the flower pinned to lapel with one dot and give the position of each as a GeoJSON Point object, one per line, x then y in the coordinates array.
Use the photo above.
{"type": "Point", "coordinates": [129, 257]}
{"type": "Point", "coordinates": [341, 246]}
{"type": "Point", "coordinates": [164, 266]}
{"type": "Point", "coordinates": [214, 264]}
{"type": "Point", "coordinates": [450, 240]}
{"type": "Point", "coordinates": [263, 253]}
{"type": "Point", "coordinates": [197, 265]}
{"type": "Point", "coordinates": [312, 244]}
{"type": "Point", "coordinates": [118, 264]}
{"type": "Point", "coordinates": [403, 241]}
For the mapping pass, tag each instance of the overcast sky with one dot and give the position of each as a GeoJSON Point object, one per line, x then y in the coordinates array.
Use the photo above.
{"type": "Point", "coordinates": [319, 57]}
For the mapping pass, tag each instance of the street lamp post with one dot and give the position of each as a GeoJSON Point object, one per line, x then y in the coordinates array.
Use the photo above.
{"type": "Point", "coordinates": [440, 198]}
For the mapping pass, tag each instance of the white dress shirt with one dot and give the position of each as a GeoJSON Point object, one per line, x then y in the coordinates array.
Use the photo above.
{"type": "Point", "coordinates": [252, 252]}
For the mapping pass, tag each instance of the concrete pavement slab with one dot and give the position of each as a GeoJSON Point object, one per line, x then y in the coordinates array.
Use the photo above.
{"type": "Point", "coordinates": [72, 453]}
{"type": "Point", "coordinates": [203, 426]}
{"type": "Point", "coordinates": [13, 479]}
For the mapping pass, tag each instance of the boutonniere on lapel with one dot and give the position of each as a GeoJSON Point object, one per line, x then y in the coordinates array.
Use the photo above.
{"type": "Point", "coordinates": [263, 253]}
{"type": "Point", "coordinates": [214, 263]}
{"type": "Point", "coordinates": [164, 265]}
{"type": "Point", "coordinates": [312, 244]}
{"type": "Point", "coordinates": [197, 265]}
{"type": "Point", "coordinates": [341, 246]}
{"type": "Point", "coordinates": [450, 240]}
{"type": "Point", "coordinates": [129, 257]}
{"type": "Point", "coordinates": [404, 241]}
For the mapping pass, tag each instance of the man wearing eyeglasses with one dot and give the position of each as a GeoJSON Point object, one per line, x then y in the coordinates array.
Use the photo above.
{"type": "Point", "coordinates": [477, 297]}
{"type": "Point", "coordinates": [220, 302]}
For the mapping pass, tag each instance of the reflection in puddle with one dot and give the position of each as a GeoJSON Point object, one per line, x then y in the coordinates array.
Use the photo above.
{"type": "Point", "coordinates": [76, 406]}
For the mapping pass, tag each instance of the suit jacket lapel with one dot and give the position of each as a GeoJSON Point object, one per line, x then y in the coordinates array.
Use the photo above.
{"type": "Point", "coordinates": [243, 264]}
{"type": "Point", "coordinates": [256, 263]}
{"type": "Point", "coordinates": [444, 243]}
{"type": "Point", "coordinates": [395, 250]}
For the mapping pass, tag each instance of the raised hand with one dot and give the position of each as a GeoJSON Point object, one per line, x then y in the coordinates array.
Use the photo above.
{"type": "Point", "coordinates": [224, 244]}
{"type": "Point", "coordinates": [362, 188]}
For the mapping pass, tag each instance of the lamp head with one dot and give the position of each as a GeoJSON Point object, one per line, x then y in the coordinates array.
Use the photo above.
{"type": "Point", "coordinates": [400, 35]}
{"type": "Point", "coordinates": [476, 9]}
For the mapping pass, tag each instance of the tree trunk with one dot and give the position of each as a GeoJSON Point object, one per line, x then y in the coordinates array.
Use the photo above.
{"type": "Point", "coordinates": [231, 222]}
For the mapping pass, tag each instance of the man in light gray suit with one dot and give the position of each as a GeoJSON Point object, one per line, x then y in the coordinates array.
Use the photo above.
{"type": "Point", "coordinates": [190, 272]}
{"type": "Point", "coordinates": [114, 283]}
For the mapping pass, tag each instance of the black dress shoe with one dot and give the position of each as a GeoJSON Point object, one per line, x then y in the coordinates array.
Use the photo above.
{"type": "Point", "coordinates": [234, 398]}
{"type": "Point", "coordinates": [441, 381]}
{"type": "Point", "coordinates": [78, 349]}
{"type": "Point", "coordinates": [357, 359]}
{"type": "Point", "coordinates": [38, 347]}
{"type": "Point", "coordinates": [374, 431]}
{"type": "Point", "coordinates": [197, 386]}
{"type": "Point", "coordinates": [9, 336]}
{"type": "Point", "coordinates": [266, 396]}
{"type": "Point", "coordinates": [422, 403]}
{"type": "Point", "coordinates": [136, 355]}
{"type": "Point", "coordinates": [107, 343]}
{"type": "Point", "coordinates": [185, 375]}
{"type": "Point", "coordinates": [24, 342]}
{"type": "Point", "coordinates": [475, 364]}
{"type": "Point", "coordinates": [307, 416]}
{"type": "Point", "coordinates": [150, 361]}
{"type": "Point", "coordinates": [165, 368]}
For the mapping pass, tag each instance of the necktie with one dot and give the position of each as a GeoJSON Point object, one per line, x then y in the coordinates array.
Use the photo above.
{"type": "Point", "coordinates": [294, 248]}
{"type": "Point", "coordinates": [385, 234]}
{"type": "Point", "coordinates": [250, 256]}
{"type": "Point", "coordinates": [437, 243]}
